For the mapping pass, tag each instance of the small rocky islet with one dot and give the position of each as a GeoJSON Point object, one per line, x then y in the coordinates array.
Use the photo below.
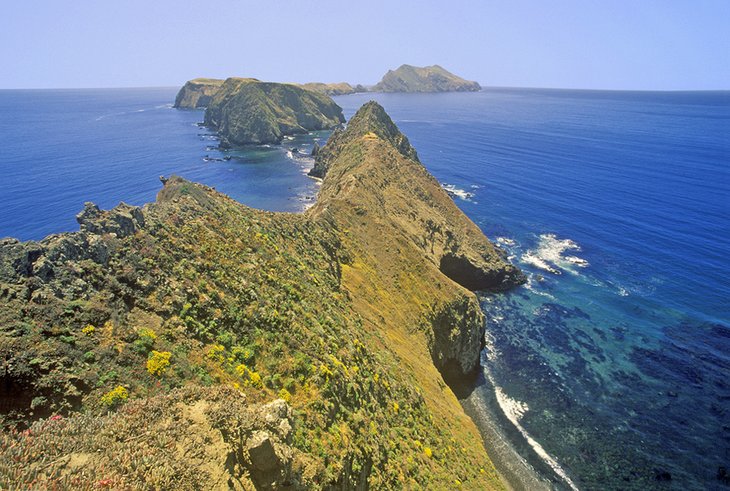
{"type": "Point", "coordinates": [270, 350]}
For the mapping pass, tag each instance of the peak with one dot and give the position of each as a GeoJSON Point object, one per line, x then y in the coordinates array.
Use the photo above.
{"type": "Point", "coordinates": [369, 121]}
{"type": "Point", "coordinates": [372, 118]}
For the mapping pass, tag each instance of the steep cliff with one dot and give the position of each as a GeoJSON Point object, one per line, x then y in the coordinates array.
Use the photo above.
{"type": "Point", "coordinates": [197, 93]}
{"type": "Point", "coordinates": [246, 111]}
{"type": "Point", "coordinates": [407, 78]}
{"type": "Point", "coordinates": [148, 346]}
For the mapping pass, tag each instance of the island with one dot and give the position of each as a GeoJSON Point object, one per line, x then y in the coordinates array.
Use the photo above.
{"type": "Point", "coordinates": [342, 88]}
{"type": "Point", "coordinates": [197, 93]}
{"type": "Point", "coordinates": [196, 343]}
{"type": "Point", "coordinates": [247, 111]}
{"type": "Point", "coordinates": [408, 78]}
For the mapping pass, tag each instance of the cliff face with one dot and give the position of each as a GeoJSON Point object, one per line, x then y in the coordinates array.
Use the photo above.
{"type": "Point", "coordinates": [246, 111]}
{"type": "Point", "coordinates": [197, 93]}
{"type": "Point", "coordinates": [174, 326]}
{"type": "Point", "coordinates": [407, 78]}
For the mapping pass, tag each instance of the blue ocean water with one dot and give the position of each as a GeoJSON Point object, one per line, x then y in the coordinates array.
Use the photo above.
{"type": "Point", "coordinates": [610, 369]}
{"type": "Point", "coordinates": [64, 147]}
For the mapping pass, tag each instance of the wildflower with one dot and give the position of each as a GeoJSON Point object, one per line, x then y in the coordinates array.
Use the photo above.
{"type": "Point", "coordinates": [158, 362]}
{"type": "Point", "coordinates": [115, 396]}
{"type": "Point", "coordinates": [427, 452]}
{"type": "Point", "coordinates": [255, 379]}
{"type": "Point", "coordinates": [285, 394]}
{"type": "Point", "coordinates": [88, 330]}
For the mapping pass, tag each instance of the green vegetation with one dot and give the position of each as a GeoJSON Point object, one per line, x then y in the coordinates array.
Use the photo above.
{"type": "Point", "coordinates": [407, 78]}
{"type": "Point", "coordinates": [246, 111]}
{"type": "Point", "coordinates": [206, 310]}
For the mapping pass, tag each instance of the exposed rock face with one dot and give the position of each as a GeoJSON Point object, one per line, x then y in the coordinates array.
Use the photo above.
{"type": "Point", "coordinates": [246, 111]}
{"type": "Point", "coordinates": [197, 93]}
{"type": "Point", "coordinates": [407, 78]}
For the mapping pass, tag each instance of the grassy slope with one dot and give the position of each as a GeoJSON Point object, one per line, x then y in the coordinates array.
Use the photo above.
{"type": "Point", "coordinates": [338, 310]}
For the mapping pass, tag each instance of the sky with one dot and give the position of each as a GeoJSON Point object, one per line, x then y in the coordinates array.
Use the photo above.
{"type": "Point", "coordinates": [608, 44]}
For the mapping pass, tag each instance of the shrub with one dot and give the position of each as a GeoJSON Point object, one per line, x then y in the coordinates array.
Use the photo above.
{"type": "Point", "coordinates": [158, 362]}
{"type": "Point", "coordinates": [145, 340]}
{"type": "Point", "coordinates": [285, 394]}
{"type": "Point", "coordinates": [115, 396]}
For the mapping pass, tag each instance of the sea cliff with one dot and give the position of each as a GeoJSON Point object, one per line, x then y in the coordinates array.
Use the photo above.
{"type": "Point", "coordinates": [197, 93]}
{"type": "Point", "coordinates": [247, 111]}
{"type": "Point", "coordinates": [270, 350]}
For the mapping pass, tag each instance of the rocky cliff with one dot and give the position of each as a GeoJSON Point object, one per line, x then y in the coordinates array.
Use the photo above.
{"type": "Point", "coordinates": [246, 111]}
{"type": "Point", "coordinates": [197, 93]}
{"type": "Point", "coordinates": [407, 78]}
{"type": "Point", "coordinates": [145, 350]}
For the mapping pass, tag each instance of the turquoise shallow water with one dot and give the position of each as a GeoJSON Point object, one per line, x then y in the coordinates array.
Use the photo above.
{"type": "Point", "coordinates": [614, 359]}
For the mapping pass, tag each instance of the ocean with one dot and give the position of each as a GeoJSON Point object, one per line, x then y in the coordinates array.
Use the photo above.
{"type": "Point", "coordinates": [610, 368]}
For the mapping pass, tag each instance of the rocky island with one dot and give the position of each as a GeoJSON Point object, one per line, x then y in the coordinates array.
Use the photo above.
{"type": "Point", "coordinates": [267, 350]}
{"type": "Point", "coordinates": [248, 111]}
{"type": "Point", "coordinates": [197, 93]}
{"type": "Point", "coordinates": [407, 78]}
{"type": "Point", "coordinates": [342, 88]}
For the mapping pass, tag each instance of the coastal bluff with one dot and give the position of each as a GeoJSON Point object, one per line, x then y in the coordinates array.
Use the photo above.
{"type": "Point", "coordinates": [248, 111]}
{"type": "Point", "coordinates": [408, 78]}
{"type": "Point", "coordinates": [268, 350]}
{"type": "Point", "coordinates": [197, 93]}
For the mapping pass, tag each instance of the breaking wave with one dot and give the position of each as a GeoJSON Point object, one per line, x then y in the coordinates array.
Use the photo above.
{"type": "Point", "coordinates": [549, 255]}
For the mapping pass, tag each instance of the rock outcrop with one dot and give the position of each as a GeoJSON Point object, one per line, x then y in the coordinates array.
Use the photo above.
{"type": "Point", "coordinates": [407, 78]}
{"type": "Point", "coordinates": [197, 93]}
{"type": "Point", "coordinates": [247, 111]}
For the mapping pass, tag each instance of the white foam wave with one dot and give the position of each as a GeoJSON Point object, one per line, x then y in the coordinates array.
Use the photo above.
{"type": "Point", "coordinates": [515, 410]}
{"type": "Point", "coordinates": [549, 257]}
{"type": "Point", "coordinates": [455, 192]}
{"type": "Point", "coordinates": [506, 241]}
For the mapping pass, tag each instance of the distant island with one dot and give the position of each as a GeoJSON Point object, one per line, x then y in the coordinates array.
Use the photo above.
{"type": "Point", "coordinates": [342, 88]}
{"type": "Point", "coordinates": [199, 92]}
{"type": "Point", "coordinates": [408, 78]}
{"type": "Point", "coordinates": [247, 111]}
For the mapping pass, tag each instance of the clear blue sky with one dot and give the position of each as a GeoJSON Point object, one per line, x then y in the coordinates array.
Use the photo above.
{"type": "Point", "coordinates": [612, 44]}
